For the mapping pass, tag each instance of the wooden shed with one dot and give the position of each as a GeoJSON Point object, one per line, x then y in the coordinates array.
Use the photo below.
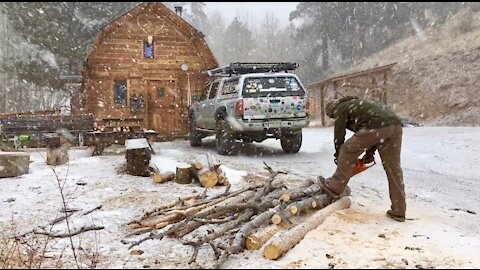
{"type": "Point", "coordinates": [370, 84]}
{"type": "Point", "coordinates": [143, 70]}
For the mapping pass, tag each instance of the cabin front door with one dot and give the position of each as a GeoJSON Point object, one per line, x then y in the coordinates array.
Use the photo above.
{"type": "Point", "coordinates": [163, 107]}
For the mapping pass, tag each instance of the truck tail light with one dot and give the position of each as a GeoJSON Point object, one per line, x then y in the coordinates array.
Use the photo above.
{"type": "Point", "coordinates": [239, 108]}
{"type": "Point", "coordinates": [307, 106]}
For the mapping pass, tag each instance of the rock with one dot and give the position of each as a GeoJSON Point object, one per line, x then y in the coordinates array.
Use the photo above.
{"type": "Point", "coordinates": [136, 252]}
{"type": "Point", "coordinates": [329, 256]}
{"type": "Point", "coordinates": [81, 183]}
{"type": "Point", "coordinates": [13, 164]}
{"type": "Point", "coordinates": [381, 235]}
{"type": "Point", "coordinates": [9, 200]}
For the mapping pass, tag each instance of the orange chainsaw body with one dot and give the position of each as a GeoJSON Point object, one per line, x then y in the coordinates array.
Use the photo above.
{"type": "Point", "coordinates": [360, 166]}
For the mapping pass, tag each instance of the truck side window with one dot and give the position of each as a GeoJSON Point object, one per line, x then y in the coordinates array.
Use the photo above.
{"type": "Point", "coordinates": [229, 87]}
{"type": "Point", "coordinates": [225, 87]}
{"type": "Point", "coordinates": [205, 92]}
{"type": "Point", "coordinates": [213, 90]}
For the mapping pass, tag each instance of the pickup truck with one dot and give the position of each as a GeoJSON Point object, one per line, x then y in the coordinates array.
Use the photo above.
{"type": "Point", "coordinates": [251, 107]}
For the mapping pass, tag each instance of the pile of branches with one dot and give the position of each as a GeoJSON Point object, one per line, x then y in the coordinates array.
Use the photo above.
{"type": "Point", "coordinates": [246, 218]}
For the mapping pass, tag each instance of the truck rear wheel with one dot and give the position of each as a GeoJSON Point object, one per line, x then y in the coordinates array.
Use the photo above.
{"type": "Point", "coordinates": [193, 135]}
{"type": "Point", "coordinates": [291, 142]}
{"type": "Point", "coordinates": [225, 142]}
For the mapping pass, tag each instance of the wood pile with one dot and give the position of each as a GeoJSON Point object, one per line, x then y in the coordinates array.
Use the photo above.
{"type": "Point", "coordinates": [249, 218]}
{"type": "Point", "coordinates": [207, 176]}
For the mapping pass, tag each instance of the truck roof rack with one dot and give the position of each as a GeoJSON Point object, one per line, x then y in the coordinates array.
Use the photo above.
{"type": "Point", "coordinates": [244, 68]}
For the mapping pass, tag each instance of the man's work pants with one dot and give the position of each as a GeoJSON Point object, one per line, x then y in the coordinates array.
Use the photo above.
{"type": "Point", "coordinates": [389, 142]}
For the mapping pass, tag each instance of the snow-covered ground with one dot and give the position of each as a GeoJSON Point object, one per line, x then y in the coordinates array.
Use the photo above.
{"type": "Point", "coordinates": [442, 177]}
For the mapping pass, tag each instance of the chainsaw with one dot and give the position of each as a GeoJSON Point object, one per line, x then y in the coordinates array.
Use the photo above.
{"type": "Point", "coordinates": [360, 166]}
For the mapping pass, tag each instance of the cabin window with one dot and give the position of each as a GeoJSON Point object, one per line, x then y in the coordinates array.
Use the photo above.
{"type": "Point", "coordinates": [160, 92]}
{"type": "Point", "coordinates": [148, 49]}
{"type": "Point", "coordinates": [120, 92]}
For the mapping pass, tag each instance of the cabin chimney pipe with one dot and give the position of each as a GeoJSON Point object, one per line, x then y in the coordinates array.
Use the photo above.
{"type": "Point", "coordinates": [178, 10]}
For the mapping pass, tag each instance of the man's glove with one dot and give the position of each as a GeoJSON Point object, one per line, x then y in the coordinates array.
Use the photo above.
{"type": "Point", "coordinates": [369, 155]}
{"type": "Point", "coordinates": [367, 158]}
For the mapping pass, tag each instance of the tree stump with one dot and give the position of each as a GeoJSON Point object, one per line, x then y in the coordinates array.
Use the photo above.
{"type": "Point", "coordinates": [138, 157]}
{"type": "Point", "coordinates": [13, 164]}
{"type": "Point", "coordinates": [57, 153]}
{"type": "Point", "coordinates": [184, 174]}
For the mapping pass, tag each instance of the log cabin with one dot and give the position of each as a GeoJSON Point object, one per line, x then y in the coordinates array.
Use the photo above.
{"type": "Point", "coordinates": [143, 71]}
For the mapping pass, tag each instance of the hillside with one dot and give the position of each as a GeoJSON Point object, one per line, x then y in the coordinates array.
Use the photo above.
{"type": "Point", "coordinates": [437, 78]}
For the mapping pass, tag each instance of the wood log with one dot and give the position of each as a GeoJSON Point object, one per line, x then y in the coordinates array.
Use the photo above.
{"type": "Point", "coordinates": [285, 197]}
{"type": "Point", "coordinates": [222, 177]}
{"type": "Point", "coordinates": [284, 242]}
{"type": "Point", "coordinates": [297, 191]}
{"type": "Point", "coordinates": [213, 212]}
{"type": "Point", "coordinates": [184, 174]}
{"type": "Point", "coordinates": [197, 165]}
{"type": "Point", "coordinates": [13, 164]}
{"type": "Point", "coordinates": [168, 205]}
{"type": "Point", "coordinates": [206, 177]}
{"type": "Point", "coordinates": [213, 162]}
{"type": "Point", "coordinates": [163, 177]}
{"type": "Point", "coordinates": [256, 240]}
{"type": "Point", "coordinates": [154, 221]}
{"type": "Point", "coordinates": [239, 240]}
{"type": "Point", "coordinates": [294, 208]}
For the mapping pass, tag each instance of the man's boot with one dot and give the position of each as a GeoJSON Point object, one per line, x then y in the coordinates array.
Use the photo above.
{"type": "Point", "coordinates": [326, 189]}
{"type": "Point", "coordinates": [397, 218]}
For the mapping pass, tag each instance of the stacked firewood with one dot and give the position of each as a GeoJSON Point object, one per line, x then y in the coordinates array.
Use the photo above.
{"type": "Point", "coordinates": [248, 218]}
{"type": "Point", "coordinates": [194, 171]}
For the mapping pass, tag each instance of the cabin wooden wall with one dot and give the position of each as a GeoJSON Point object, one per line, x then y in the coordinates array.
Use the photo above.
{"type": "Point", "coordinates": [117, 54]}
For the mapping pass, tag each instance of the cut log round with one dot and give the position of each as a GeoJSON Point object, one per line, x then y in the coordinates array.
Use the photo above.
{"type": "Point", "coordinates": [14, 164]}
{"type": "Point", "coordinates": [163, 177]}
{"type": "Point", "coordinates": [206, 177]}
{"type": "Point", "coordinates": [257, 240]}
{"type": "Point", "coordinates": [285, 197]}
{"type": "Point", "coordinates": [184, 174]}
{"type": "Point", "coordinates": [209, 179]}
{"type": "Point", "coordinates": [276, 219]}
{"type": "Point", "coordinates": [293, 209]}
{"type": "Point", "coordinates": [283, 243]}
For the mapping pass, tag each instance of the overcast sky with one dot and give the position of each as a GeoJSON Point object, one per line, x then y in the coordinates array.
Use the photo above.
{"type": "Point", "coordinates": [255, 10]}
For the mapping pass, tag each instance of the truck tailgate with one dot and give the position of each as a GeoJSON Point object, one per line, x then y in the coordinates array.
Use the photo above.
{"type": "Point", "coordinates": [274, 107]}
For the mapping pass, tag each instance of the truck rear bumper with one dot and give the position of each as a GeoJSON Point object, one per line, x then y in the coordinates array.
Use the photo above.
{"type": "Point", "coordinates": [270, 124]}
